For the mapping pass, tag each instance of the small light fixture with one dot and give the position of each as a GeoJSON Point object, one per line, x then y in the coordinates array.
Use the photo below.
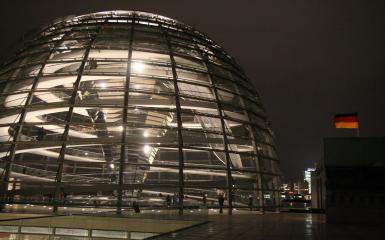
{"type": "Point", "coordinates": [112, 166]}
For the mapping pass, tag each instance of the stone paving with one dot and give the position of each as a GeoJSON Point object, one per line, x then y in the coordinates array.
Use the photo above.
{"type": "Point", "coordinates": [273, 226]}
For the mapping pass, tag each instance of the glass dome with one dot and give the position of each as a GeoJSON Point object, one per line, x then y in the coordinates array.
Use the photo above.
{"type": "Point", "coordinates": [112, 108]}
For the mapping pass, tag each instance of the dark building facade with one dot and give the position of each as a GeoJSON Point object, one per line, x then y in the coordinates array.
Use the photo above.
{"type": "Point", "coordinates": [350, 183]}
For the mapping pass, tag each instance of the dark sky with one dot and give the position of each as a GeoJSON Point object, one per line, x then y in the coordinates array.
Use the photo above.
{"type": "Point", "coordinates": [308, 59]}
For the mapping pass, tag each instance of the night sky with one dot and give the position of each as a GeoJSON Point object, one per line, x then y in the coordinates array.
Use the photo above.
{"type": "Point", "coordinates": [307, 59]}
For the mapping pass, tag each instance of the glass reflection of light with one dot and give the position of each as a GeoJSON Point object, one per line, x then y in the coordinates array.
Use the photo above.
{"type": "Point", "coordinates": [137, 66]}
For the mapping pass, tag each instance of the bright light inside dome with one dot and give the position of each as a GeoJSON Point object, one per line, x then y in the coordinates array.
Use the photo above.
{"type": "Point", "coordinates": [112, 166]}
{"type": "Point", "coordinates": [103, 85]}
{"type": "Point", "coordinates": [145, 134]}
{"type": "Point", "coordinates": [146, 149]}
{"type": "Point", "coordinates": [137, 66]}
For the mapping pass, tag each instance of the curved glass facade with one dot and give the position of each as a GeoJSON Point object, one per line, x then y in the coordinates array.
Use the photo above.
{"type": "Point", "coordinates": [114, 107]}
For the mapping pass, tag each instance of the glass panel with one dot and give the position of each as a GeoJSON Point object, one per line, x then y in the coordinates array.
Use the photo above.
{"type": "Point", "coordinates": [190, 62]}
{"type": "Point", "coordinates": [240, 145]}
{"type": "Point", "coordinates": [36, 58]}
{"type": "Point", "coordinates": [53, 89]}
{"type": "Point", "coordinates": [237, 129]}
{"type": "Point", "coordinates": [263, 136]}
{"type": "Point", "coordinates": [195, 90]}
{"type": "Point", "coordinates": [96, 90]}
{"type": "Point", "coordinates": [203, 141]}
{"type": "Point", "coordinates": [73, 43]}
{"type": "Point", "coordinates": [267, 150]}
{"type": "Point", "coordinates": [67, 55]}
{"type": "Point", "coordinates": [96, 122]}
{"type": "Point", "coordinates": [109, 234]}
{"type": "Point", "coordinates": [149, 41]}
{"type": "Point", "coordinates": [151, 57]}
{"type": "Point", "coordinates": [141, 235]}
{"type": "Point", "coordinates": [107, 54]}
{"type": "Point", "coordinates": [189, 51]}
{"type": "Point", "coordinates": [140, 68]}
{"type": "Point", "coordinates": [151, 100]}
{"type": "Point", "coordinates": [230, 98]}
{"type": "Point", "coordinates": [13, 100]}
{"type": "Point", "coordinates": [192, 76]}
{"type": "Point", "coordinates": [235, 113]}
{"type": "Point", "coordinates": [201, 122]}
{"type": "Point", "coordinates": [94, 66]}
{"type": "Point", "coordinates": [244, 180]}
{"type": "Point", "coordinates": [111, 42]}
{"type": "Point", "coordinates": [198, 105]}
{"type": "Point", "coordinates": [10, 229]}
{"type": "Point", "coordinates": [8, 117]}
{"type": "Point", "coordinates": [61, 68]}
{"type": "Point", "coordinates": [150, 117]}
{"type": "Point", "coordinates": [43, 230]}
{"type": "Point", "coordinates": [88, 163]}
{"type": "Point", "coordinates": [25, 71]}
{"type": "Point", "coordinates": [246, 199]}
{"type": "Point", "coordinates": [71, 232]}
{"type": "Point", "coordinates": [154, 85]}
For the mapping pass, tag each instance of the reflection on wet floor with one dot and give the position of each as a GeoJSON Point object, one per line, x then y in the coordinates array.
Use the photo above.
{"type": "Point", "coordinates": [285, 226]}
{"type": "Point", "coordinates": [242, 225]}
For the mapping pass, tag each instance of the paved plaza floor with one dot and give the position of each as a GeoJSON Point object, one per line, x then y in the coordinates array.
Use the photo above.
{"type": "Point", "coordinates": [276, 226]}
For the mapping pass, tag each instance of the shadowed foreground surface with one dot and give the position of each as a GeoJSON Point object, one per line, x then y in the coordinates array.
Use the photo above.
{"type": "Point", "coordinates": [288, 226]}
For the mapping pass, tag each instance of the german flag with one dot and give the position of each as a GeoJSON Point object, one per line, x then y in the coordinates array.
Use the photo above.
{"type": "Point", "coordinates": [347, 120]}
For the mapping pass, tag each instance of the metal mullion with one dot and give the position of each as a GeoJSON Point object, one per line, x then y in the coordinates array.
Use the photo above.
{"type": "Point", "coordinates": [123, 156]}
{"type": "Point", "coordinates": [60, 160]}
{"type": "Point", "coordinates": [225, 140]}
{"type": "Point", "coordinates": [17, 132]}
{"type": "Point", "coordinates": [179, 123]}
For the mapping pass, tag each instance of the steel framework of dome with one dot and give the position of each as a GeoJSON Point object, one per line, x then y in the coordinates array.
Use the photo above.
{"type": "Point", "coordinates": [109, 108]}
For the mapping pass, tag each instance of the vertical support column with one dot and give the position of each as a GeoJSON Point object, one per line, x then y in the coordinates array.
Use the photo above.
{"type": "Point", "coordinates": [179, 124]}
{"type": "Point", "coordinates": [225, 139]}
{"type": "Point", "coordinates": [123, 154]}
{"type": "Point", "coordinates": [60, 160]}
{"type": "Point", "coordinates": [19, 127]}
